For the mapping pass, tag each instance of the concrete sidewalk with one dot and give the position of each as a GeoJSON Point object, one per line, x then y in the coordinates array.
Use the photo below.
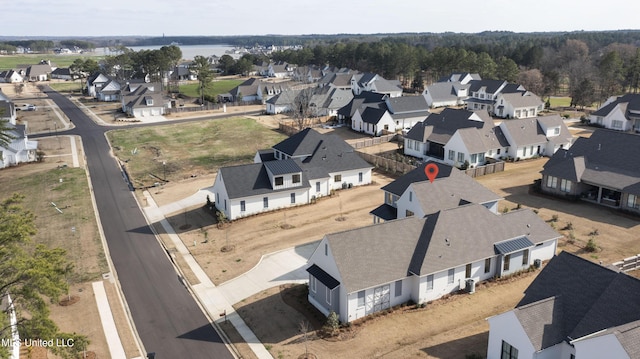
{"type": "Point", "coordinates": [116, 350]}
{"type": "Point", "coordinates": [281, 267]}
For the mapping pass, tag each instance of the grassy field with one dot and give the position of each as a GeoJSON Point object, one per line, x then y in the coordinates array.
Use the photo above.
{"type": "Point", "coordinates": [183, 150]}
{"type": "Point", "coordinates": [75, 228]}
{"type": "Point", "coordinates": [12, 61]}
{"type": "Point", "coordinates": [216, 88]}
{"type": "Point", "coordinates": [560, 101]}
{"type": "Point", "coordinates": [67, 86]}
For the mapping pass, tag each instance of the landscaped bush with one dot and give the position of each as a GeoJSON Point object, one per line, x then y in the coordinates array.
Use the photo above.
{"type": "Point", "coordinates": [591, 245]}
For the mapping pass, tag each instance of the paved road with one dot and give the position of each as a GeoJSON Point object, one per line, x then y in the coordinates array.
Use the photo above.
{"type": "Point", "coordinates": [168, 320]}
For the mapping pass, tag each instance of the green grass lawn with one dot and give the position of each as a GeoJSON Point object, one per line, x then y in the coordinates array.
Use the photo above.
{"type": "Point", "coordinates": [216, 88]}
{"type": "Point", "coordinates": [12, 61]}
{"type": "Point", "coordinates": [67, 86]}
{"type": "Point", "coordinates": [189, 148]}
{"type": "Point", "coordinates": [560, 101]}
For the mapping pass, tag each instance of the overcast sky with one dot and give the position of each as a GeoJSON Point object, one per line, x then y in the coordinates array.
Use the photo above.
{"type": "Point", "coordinates": [294, 17]}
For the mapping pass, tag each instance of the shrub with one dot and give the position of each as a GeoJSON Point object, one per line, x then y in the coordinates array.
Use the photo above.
{"type": "Point", "coordinates": [591, 246]}
{"type": "Point", "coordinates": [333, 322]}
{"type": "Point", "coordinates": [505, 210]}
{"type": "Point", "coordinates": [554, 218]}
{"type": "Point", "coordinates": [594, 233]}
{"type": "Point", "coordinates": [569, 226]}
{"type": "Point", "coordinates": [571, 238]}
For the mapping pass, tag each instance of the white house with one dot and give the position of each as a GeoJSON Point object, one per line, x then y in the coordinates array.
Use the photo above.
{"type": "Point", "coordinates": [540, 136]}
{"type": "Point", "coordinates": [20, 149]}
{"type": "Point", "coordinates": [295, 171]}
{"type": "Point", "coordinates": [282, 102]}
{"type": "Point", "coordinates": [388, 114]}
{"type": "Point", "coordinates": [142, 100]}
{"type": "Point", "coordinates": [619, 113]}
{"type": "Point", "coordinates": [573, 309]}
{"type": "Point", "coordinates": [520, 104]}
{"type": "Point", "coordinates": [456, 137]}
{"type": "Point", "coordinates": [449, 91]}
{"type": "Point", "coordinates": [361, 271]}
{"type": "Point", "coordinates": [375, 83]}
{"type": "Point", "coordinates": [248, 91]}
{"type": "Point", "coordinates": [11, 76]}
{"type": "Point", "coordinates": [413, 194]}
{"type": "Point", "coordinates": [372, 120]}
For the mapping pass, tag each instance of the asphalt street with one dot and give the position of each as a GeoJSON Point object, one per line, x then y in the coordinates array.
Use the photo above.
{"type": "Point", "coordinates": [168, 320]}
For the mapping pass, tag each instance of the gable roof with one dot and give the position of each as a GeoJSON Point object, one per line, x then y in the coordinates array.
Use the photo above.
{"type": "Point", "coordinates": [251, 180]}
{"type": "Point", "coordinates": [407, 104]}
{"type": "Point", "coordinates": [628, 103]}
{"type": "Point", "coordinates": [489, 86]}
{"type": "Point", "coordinates": [445, 91]}
{"type": "Point", "coordinates": [524, 131]}
{"type": "Point", "coordinates": [372, 114]}
{"type": "Point", "coordinates": [521, 99]}
{"type": "Point", "coordinates": [610, 158]}
{"type": "Point", "coordinates": [418, 246]}
{"type": "Point", "coordinates": [586, 298]}
{"type": "Point", "coordinates": [400, 185]}
{"type": "Point", "coordinates": [441, 127]}
{"type": "Point", "coordinates": [248, 88]}
{"type": "Point", "coordinates": [365, 97]}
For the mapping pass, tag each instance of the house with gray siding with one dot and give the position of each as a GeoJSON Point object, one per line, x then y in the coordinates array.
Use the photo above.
{"type": "Point", "coordinates": [602, 169]}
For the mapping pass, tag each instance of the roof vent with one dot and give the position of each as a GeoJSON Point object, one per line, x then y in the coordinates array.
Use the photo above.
{"type": "Point", "coordinates": [599, 146]}
{"type": "Point", "coordinates": [446, 240]}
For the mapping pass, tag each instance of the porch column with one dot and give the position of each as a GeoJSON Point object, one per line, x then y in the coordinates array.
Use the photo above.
{"type": "Point", "coordinates": [599, 194]}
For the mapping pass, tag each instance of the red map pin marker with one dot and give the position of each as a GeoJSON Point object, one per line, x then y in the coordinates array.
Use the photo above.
{"type": "Point", "coordinates": [431, 170]}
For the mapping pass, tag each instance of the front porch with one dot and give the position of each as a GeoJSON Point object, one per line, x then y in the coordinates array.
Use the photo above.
{"type": "Point", "coordinates": [601, 195]}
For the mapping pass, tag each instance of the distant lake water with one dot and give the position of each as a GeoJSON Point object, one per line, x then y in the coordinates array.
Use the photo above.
{"type": "Point", "coordinates": [188, 51]}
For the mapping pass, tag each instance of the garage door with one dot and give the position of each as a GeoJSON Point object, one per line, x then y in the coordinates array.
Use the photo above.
{"type": "Point", "coordinates": [378, 299]}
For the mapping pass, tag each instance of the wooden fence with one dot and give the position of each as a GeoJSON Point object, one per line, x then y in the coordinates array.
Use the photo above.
{"type": "Point", "coordinates": [628, 264]}
{"type": "Point", "coordinates": [485, 169]}
{"type": "Point", "coordinates": [387, 164]}
{"type": "Point", "coordinates": [373, 141]}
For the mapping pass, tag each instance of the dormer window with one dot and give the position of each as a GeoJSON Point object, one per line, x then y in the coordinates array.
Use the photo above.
{"type": "Point", "coordinates": [556, 131]}
{"type": "Point", "coordinates": [279, 181]}
{"type": "Point", "coordinates": [295, 178]}
{"type": "Point", "coordinates": [148, 101]}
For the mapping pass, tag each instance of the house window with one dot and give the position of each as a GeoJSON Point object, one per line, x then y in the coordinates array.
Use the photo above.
{"type": "Point", "coordinates": [556, 131]}
{"type": "Point", "coordinates": [279, 181]}
{"type": "Point", "coordinates": [225, 204]}
{"type": "Point", "coordinates": [498, 151]}
{"type": "Point", "coordinates": [505, 265]}
{"type": "Point", "coordinates": [487, 265]}
{"type": "Point", "coordinates": [467, 271]}
{"type": "Point", "coordinates": [474, 158]}
{"type": "Point", "coordinates": [408, 213]}
{"type": "Point", "coordinates": [617, 124]}
{"type": "Point", "coordinates": [326, 249]}
{"type": "Point", "coordinates": [508, 351]}
{"type": "Point", "coordinates": [460, 157]}
{"type": "Point", "coordinates": [361, 299]}
{"type": "Point", "coordinates": [552, 182]}
{"type": "Point", "coordinates": [243, 206]}
{"type": "Point", "coordinates": [217, 197]}
{"type": "Point", "coordinates": [410, 196]}
{"type": "Point", "coordinates": [317, 186]}
{"type": "Point", "coordinates": [360, 177]}
{"type": "Point", "coordinates": [328, 294]}
{"type": "Point", "coordinates": [398, 288]}
{"type": "Point", "coordinates": [430, 282]}
{"type": "Point", "coordinates": [524, 151]}
{"type": "Point", "coordinates": [632, 201]}
{"type": "Point", "coordinates": [490, 153]}
{"type": "Point", "coordinates": [295, 178]}
{"type": "Point", "coordinates": [337, 178]}
{"type": "Point", "coordinates": [452, 155]}
{"type": "Point", "coordinates": [531, 150]}
{"type": "Point", "coordinates": [313, 284]}
{"type": "Point", "coordinates": [265, 202]}
{"type": "Point", "coordinates": [565, 185]}
{"type": "Point", "coordinates": [525, 257]}
{"type": "Point", "coordinates": [293, 198]}
{"type": "Point", "coordinates": [451, 275]}
{"type": "Point", "coordinates": [480, 157]}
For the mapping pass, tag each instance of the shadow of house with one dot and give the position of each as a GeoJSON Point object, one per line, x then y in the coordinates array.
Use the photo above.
{"type": "Point", "coordinates": [459, 348]}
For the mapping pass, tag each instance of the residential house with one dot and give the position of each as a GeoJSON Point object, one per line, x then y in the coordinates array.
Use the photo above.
{"type": "Point", "coordinates": [109, 91]}
{"type": "Point", "coordinates": [539, 136]}
{"type": "Point", "coordinates": [390, 114]}
{"type": "Point", "coordinates": [520, 104]}
{"type": "Point", "coordinates": [62, 73]}
{"type": "Point", "coordinates": [620, 113]}
{"type": "Point", "coordinates": [602, 169]}
{"type": "Point", "coordinates": [20, 149]}
{"type": "Point", "coordinates": [375, 83]}
{"type": "Point", "coordinates": [449, 91]}
{"type": "Point", "coordinates": [249, 91]}
{"type": "Point", "coordinates": [142, 100]}
{"type": "Point", "coordinates": [11, 76]}
{"type": "Point", "coordinates": [326, 101]}
{"type": "Point", "coordinates": [413, 194]}
{"type": "Point", "coordinates": [345, 114]}
{"type": "Point", "coordinates": [282, 102]}
{"type": "Point", "coordinates": [280, 70]}
{"type": "Point", "coordinates": [40, 72]}
{"type": "Point", "coordinates": [295, 171]}
{"type": "Point", "coordinates": [573, 309]}
{"type": "Point", "coordinates": [307, 74]}
{"type": "Point", "coordinates": [456, 137]}
{"type": "Point", "coordinates": [340, 80]}
{"type": "Point", "coordinates": [362, 271]}
{"type": "Point", "coordinates": [182, 73]}
{"type": "Point", "coordinates": [95, 82]}
{"type": "Point", "coordinates": [483, 94]}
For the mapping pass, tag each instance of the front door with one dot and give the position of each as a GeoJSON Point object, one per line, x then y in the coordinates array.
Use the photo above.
{"type": "Point", "coordinates": [378, 299]}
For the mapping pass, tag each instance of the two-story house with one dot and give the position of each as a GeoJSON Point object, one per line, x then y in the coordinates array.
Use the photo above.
{"type": "Point", "coordinates": [620, 113]}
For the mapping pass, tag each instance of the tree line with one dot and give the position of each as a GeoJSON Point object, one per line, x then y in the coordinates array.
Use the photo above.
{"type": "Point", "coordinates": [589, 67]}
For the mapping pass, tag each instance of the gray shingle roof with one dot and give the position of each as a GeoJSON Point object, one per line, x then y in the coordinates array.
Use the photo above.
{"type": "Point", "coordinates": [628, 103]}
{"type": "Point", "coordinates": [522, 99]}
{"type": "Point", "coordinates": [587, 298]}
{"type": "Point", "coordinates": [417, 245]}
{"type": "Point", "coordinates": [401, 184]}
{"type": "Point", "coordinates": [407, 104]}
{"type": "Point", "coordinates": [609, 158]}
{"type": "Point", "coordinates": [444, 91]}
{"type": "Point", "coordinates": [250, 180]}
{"type": "Point", "coordinates": [524, 131]}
